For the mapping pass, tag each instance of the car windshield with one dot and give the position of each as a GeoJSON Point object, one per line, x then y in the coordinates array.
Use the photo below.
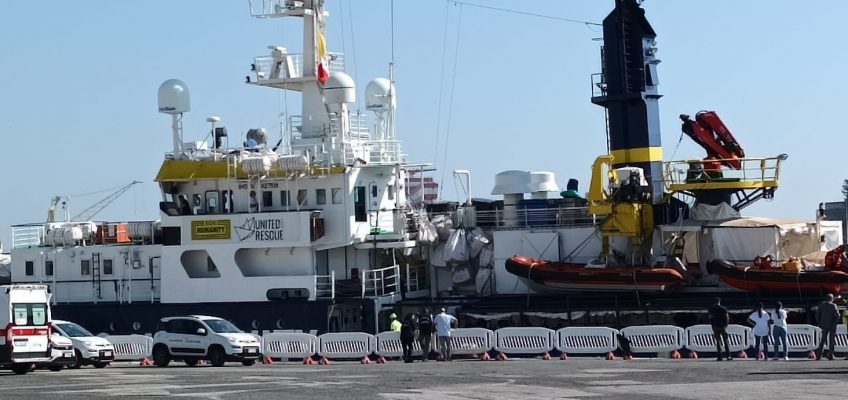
{"type": "Point", "coordinates": [74, 330]}
{"type": "Point", "coordinates": [221, 326]}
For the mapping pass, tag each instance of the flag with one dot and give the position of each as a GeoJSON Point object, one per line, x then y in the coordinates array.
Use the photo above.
{"type": "Point", "coordinates": [323, 74]}
{"type": "Point", "coordinates": [322, 46]}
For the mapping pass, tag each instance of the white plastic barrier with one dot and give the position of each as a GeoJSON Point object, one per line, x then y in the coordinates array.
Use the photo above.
{"type": "Point", "coordinates": [700, 338]}
{"type": "Point", "coordinates": [525, 340]}
{"type": "Point", "coordinates": [346, 345]}
{"type": "Point", "coordinates": [131, 347]}
{"type": "Point", "coordinates": [587, 340]}
{"type": "Point", "coordinates": [289, 345]}
{"type": "Point", "coordinates": [803, 337]}
{"type": "Point", "coordinates": [841, 339]}
{"type": "Point", "coordinates": [469, 341]}
{"type": "Point", "coordinates": [388, 345]}
{"type": "Point", "coordinates": [654, 338]}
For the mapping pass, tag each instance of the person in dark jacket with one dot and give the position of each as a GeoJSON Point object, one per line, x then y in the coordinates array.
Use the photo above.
{"type": "Point", "coordinates": [407, 336]}
{"type": "Point", "coordinates": [425, 333]}
{"type": "Point", "coordinates": [720, 319]}
{"type": "Point", "coordinates": [827, 317]}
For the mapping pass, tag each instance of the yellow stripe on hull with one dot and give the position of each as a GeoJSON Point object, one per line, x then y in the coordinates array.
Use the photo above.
{"type": "Point", "coordinates": [189, 170]}
{"type": "Point", "coordinates": [641, 154]}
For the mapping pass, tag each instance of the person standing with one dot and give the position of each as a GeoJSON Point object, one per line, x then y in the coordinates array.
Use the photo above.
{"type": "Point", "coordinates": [760, 320]}
{"type": "Point", "coordinates": [827, 317]}
{"type": "Point", "coordinates": [720, 319]}
{"type": "Point", "coordinates": [407, 336]}
{"type": "Point", "coordinates": [780, 330]}
{"type": "Point", "coordinates": [425, 333]}
{"type": "Point", "coordinates": [443, 323]}
{"type": "Point", "coordinates": [394, 324]}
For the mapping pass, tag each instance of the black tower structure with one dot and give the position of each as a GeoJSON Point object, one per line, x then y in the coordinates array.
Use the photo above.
{"type": "Point", "coordinates": [627, 88]}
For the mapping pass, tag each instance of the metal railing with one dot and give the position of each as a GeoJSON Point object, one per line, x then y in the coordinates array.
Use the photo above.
{"type": "Point", "coordinates": [416, 277]}
{"type": "Point", "coordinates": [325, 286]}
{"type": "Point", "coordinates": [753, 173]}
{"type": "Point", "coordinates": [380, 282]}
{"type": "Point", "coordinates": [27, 236]}
{"type": "Point", "coordinates": [289, 66]}
{"type": "Point", "coordinates": [523, 218]}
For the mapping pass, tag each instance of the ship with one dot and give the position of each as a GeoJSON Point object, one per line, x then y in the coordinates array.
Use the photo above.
{"type": "Point", "coordinates": [315, 232]}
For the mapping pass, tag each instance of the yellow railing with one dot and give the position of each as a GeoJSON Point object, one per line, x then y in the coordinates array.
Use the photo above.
{"type": "Point", "coordinates": [755, 173]}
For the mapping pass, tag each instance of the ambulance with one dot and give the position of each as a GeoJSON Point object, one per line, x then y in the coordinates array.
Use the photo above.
{"type": "Point", "coordinates": [25, 323]}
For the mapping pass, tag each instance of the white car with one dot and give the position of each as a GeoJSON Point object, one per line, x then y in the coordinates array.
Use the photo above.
{"type": "Point", "coordinates": [61, 353]}
{"type": "Point", "coordinates": [196, 337]}
{"type": "Point", "coordinates": [88, 348]}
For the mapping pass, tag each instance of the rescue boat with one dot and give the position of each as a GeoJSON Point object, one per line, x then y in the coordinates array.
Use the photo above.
{"type": "Point", "coordinates": [549, 276]}
{"type": "Point", "coordinates": [751, 278]}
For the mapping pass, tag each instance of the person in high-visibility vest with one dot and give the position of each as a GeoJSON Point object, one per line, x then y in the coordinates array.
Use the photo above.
{"type": "Point", "coordinates": [394, 324]}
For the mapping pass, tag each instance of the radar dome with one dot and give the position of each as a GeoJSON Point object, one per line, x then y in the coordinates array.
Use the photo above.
{"type": "Point", "coordinates": [377, 95]}
{"type": "Point", "coordinates": [339, 88]}
{"type": "Point", "coordinates": [174, 97]}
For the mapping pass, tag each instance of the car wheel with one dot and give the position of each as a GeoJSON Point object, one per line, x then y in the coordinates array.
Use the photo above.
{"type": "Point", "coordinates": [21, 369]}
{"type": "Point", "coordinates": [77, 360]}
{"type": "Point", "coordinates": [248, 363]}
{"type": "Point", "coordinates": [101, 364]}
{"type": "Point", "coordinates": [55, 368]}
{"type": "Point", "coordinates": [161, 357]}
{"type": "Point", "coordinates": [192, 362]}
{"type": "Point", "coordinates": [217, 357]}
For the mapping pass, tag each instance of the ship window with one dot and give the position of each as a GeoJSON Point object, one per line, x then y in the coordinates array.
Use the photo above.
{"type": "Point", "coordinates": [107, 267]}
{"type": "Point", "coordinates": [29, 267]}
{"type": "Point", "coordinates": [199, 264]}
{"type": "Point", "coordinates": [227, 198]}
{"type": "Point", "coordinates": [85, 267]}
{"type": "Point", "coordinates": [267, 198]}
{"type": "Point", "coordinates": [48, 268]}
{"type": "Point", "coordinates": [391, 191]}
{"type": "Point", "coordinates": [212, 202]}
{"type": "Point", "coordinates": [284, 198]}
{"type": "Point", "coordinates": [320, 196]}
{"type": "Point", "coordinates": [301, 197]}
{"type": "Point", "coordinates": [210, 265]}
{"type": "Point", "coordinates": [359, 204]}
{"type": "Point", "coordinates": [336, 193]}
{"type": "Point", "coordinates": [197, 203]}
{"type": "Point", "coordinates": [373, 190]}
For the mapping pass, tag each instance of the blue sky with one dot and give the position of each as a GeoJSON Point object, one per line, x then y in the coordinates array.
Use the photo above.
{"type": "Point", "coordinates": [79, 81]}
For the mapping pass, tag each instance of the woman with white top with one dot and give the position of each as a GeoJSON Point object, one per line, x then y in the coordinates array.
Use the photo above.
{"type": "Point", "coordinates": [760, 320]}
{"type": "Point", "coordinates": [778, 317]}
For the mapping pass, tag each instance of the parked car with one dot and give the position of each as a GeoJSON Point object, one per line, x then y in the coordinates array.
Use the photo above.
{"type": "Point", "coordinates": [88, 348]}
{"type": "Point", "coordinates": [197, 337]}
{"type": "Point", "coordinates": [61, 353]}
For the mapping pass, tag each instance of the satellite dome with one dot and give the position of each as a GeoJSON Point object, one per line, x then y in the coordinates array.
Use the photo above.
{"type": "Point", "coordinates": [377, 95]}
{"type": "Point", "coordinates": [543, 181]}
{"type": "Point", "coordinates": [512, 182]}
{"type": "Point", "coordinates": [339, 88]}
{"type": "Point", "coordinates": [174, 97]}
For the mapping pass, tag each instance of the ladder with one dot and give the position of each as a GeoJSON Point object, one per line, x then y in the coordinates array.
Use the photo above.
{"type": "Point", "coordinates": [95, 276]}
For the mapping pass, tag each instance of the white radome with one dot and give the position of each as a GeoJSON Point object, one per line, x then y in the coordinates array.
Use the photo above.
{"type": "Point", "coordinates": [174, 97]}
{"type": "Point", "coordinates": [377, 95]}
{"type": "Point", "coordinates": [339, 89]}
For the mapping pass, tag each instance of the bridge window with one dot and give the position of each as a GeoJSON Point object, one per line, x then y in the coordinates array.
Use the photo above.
{"type": "Point", "coordinates": [29, 267]}
{"type": "Point", "coordinates": [267, 198]}
{"type": "Point", "coordinates": [107, 267]}
{"type": "Point", "coordinates": [48, 268]}
{"type": "Point", "coordinates": [85, 267]}
{"type": "Point", "coordinates": [212, 202]}
{"type": "Point", "coordinates": [320, 196]}
{"type": "Point", "coordinates": [301, 197]}
{"type": "Point", "coordinates": [336, 194]}
{"type": "Point", "coordinates": [360, 213]}
{"type": "Point", "coordinates": [284, 198]}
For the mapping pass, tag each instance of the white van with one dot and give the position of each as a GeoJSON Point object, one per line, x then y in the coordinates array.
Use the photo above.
{"type": "Point", "coordinates": [25, 339]}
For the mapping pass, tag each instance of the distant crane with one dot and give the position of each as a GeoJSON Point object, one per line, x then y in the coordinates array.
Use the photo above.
{"type": "Point", "coordinates": [92, 210]}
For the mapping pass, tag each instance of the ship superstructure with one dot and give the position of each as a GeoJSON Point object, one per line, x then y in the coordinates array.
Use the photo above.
{"type": "Point", "coordinates": [317, 223]}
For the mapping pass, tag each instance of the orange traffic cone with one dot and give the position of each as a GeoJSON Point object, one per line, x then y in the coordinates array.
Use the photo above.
{"type": "Point", "coordinates": [502, 357]}
{"type": "Point", "coordinates": [743, 354]}
{"type": "Point", "coordinates": [381, 360]}
{"type": "Point", "coordinates": [546, 356]}
{"type": "Point", "coordinates": [485, 357]}
{"type": "Point", "coordinates": [693, 355]}
{"type": "Point", "coordinates": [324, 361]}
{"type": "Point", "coordinates": [267, 360]}
{"type": "Point", "coordinates": [365, 360]}
{"type": "Point", "coordinates": [610, 356]}
{"type": "Point", "coordinates": [761, 356]}
{"type": "Point", "coordinates": [563, 356]}
{"type": "Point", "coordinates": [146, 362]}
{"type": "Point", "coordinates": [812, 355]}
{"type": "Point", "coordinates": [675, 355]}
{"type": "Point", "coordinates": [308, 361]}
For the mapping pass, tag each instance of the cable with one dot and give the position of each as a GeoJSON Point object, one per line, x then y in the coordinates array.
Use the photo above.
{"type": "Point", "coordinates": [353, 46]}
{"type": "Point", "coordinates": [451, 97]}
{"type": "Point", "coordinates": [529, 14]}
{"type": "Point", "coordinates": [441, 85]}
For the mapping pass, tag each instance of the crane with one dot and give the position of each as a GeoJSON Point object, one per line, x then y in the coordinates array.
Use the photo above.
{"type": "Point", "coordinates": [96, 208]}
{"type": "Point", "coordinates": [92, 210]}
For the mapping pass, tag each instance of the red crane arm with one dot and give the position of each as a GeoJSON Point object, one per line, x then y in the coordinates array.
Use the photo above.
{"type": "Point", "coordinates": [709, 132]}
